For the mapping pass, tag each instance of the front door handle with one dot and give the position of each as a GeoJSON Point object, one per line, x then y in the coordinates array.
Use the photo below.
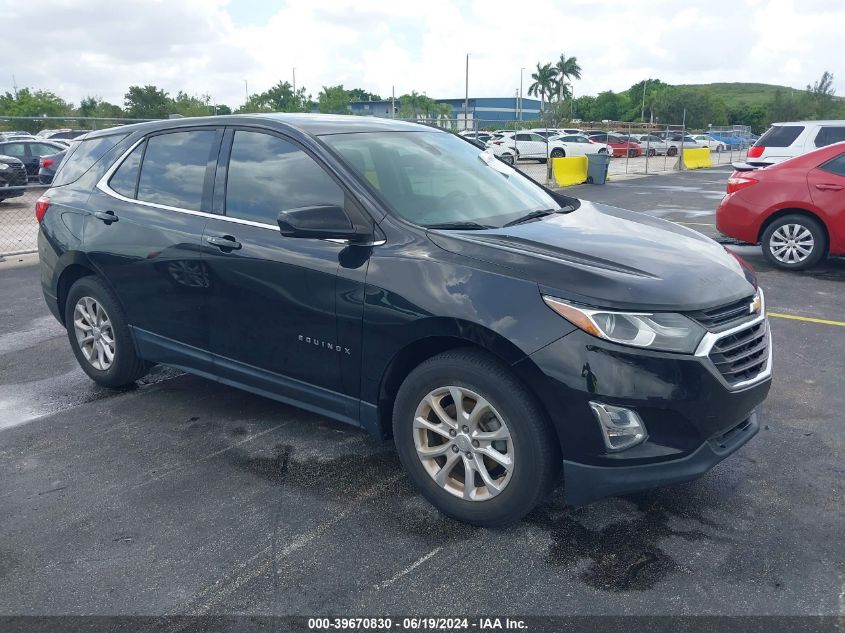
{"type": "Point", "coordinates": [106, 216]}
{"type": "Point", "coordinates": [828, 187]}
{"type": "Point", "coordinates": [223, 242]}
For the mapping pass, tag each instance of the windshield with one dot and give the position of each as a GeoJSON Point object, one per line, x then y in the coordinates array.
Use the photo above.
{"type": "Point", "coordinates": [433, 178]}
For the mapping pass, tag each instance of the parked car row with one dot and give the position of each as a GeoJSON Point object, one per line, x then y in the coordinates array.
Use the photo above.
{"type": "Point", "coordinates": [30, 153]}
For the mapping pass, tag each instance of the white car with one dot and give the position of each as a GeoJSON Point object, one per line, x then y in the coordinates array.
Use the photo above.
{"type": "Point", "coordinates": [654, 145]}
{"type": "Point", "coordinates": [786, 140]}
{"type": "Point", "coordinates": [502, 150]}
{"type": "Point", "coordinates": [529, 145]}
{"type": "Point", "coordinates": [580, 145]}
{"type": "Point", "coordinates": [709, 141]}
{"type": "Point", "coordinates": [552, 131]}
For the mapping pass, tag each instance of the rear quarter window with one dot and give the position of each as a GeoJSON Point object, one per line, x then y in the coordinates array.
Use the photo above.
{"type": "Point", "coordinates": [829, 134]}
{"type": "Point", "coordinates": [780, 136]}
{"type": "Point", "coordinates": [835, 165]}
{"type": "Point", "coordinates": [80, 159]}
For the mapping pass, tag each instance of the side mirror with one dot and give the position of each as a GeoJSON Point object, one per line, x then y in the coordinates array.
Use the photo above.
{"type": "Point", "coordinates": [322, 222]}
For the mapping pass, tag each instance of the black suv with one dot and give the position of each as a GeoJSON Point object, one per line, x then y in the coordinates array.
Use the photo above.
{"type": "Point", "coordinates": [396, 278]}
{"type": "Point", "coordinates": [12, 177]}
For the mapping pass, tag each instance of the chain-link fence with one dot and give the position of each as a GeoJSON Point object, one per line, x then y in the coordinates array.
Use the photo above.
{"type": "Point", "coordinates": [636, 149]}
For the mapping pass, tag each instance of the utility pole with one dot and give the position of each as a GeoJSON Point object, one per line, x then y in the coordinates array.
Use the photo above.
{"type": "Point", "coordinates": [294, 81]}
{"type": "Point", "coordinates": [466, 98]}
{"type": "Point", "coordinates": [392, 102]}
{"type": "Point", "coordinates": [642, 108]}
{"type": "Point", "coordinates": [521, 104]}
{"type": "Point", "coordinates": [15, 85]}
{"type": "Point", "coordinates": [246, 92]}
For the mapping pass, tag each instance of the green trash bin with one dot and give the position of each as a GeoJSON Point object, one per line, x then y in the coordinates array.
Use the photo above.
{"type": "Point", "coordinates": [597, 165]}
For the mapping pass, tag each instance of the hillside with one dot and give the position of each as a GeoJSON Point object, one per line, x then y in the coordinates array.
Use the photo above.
{"type": "Point", "coordinates": [750, 93]}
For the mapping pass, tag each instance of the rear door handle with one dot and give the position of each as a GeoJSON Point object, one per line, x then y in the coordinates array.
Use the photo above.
{"type": "Point", "coordinates": [828, 187]}
{"type": "Point", "coordinates": [223, 242]}
{"type": "Point", "coordinates": [106, 216]}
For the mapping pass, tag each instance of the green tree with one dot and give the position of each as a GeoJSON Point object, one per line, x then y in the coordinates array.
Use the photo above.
{"type": "Point", "coordinates": [191, 105]}
{"type": "Point", "coordinates": [755, 116]}
{"type": "Point", "coordinates": [222, 108]}
{"type": "Point", "coordinates": [34, 103]}
{"type": "Point", "coordinates": [582, 107]}
{"type": "Point", "coordinates": [333, 100]}
{"type": "Point", "coordinates": [415, 105]}
{"type": "Point", "coordinates": [358, 94]}
{"type": "Point", "coordinates": [703, 107]}
{"type": "Point", "coordinates": [97, 108]}
{"type": "Point", "coordinates": [821, 95]}
{"type": "Point", "coordinates": [566, 68]}
{"type": "Point", "coordinates": [279, 98]}
{"type": "Point", "coordinates": [544, 82]}
{"type": "Point", "coordinates": [642, 102]}
{"type": "Point", "coordinates": [146, 102]}
{"type": "Point", "coordinates": [790, 106]}
{"type": "Point", "coordinates": [610, 106]}
{"type": "Point", "coordinates": [444, 113]}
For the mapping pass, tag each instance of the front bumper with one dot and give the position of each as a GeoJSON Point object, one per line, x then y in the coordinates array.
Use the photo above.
{"type": "Point", "coordinates": [584, 483]}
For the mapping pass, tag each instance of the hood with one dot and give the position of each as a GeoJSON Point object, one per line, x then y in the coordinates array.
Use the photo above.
{"type": "Point", "coordinates": [10, 160]}
{"type": "Point", "coordinates": [608, 257]}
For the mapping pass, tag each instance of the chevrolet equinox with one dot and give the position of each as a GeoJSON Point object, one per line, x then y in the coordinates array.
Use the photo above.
{"type": "Point", "coordinates": [399, 279]}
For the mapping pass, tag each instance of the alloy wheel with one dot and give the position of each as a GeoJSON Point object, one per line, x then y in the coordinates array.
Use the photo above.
{"type": "Point", "coordinates": [791, 243]}
{"type": "Point", "coordinates": [94, 333]}
{"type": "Point", "coordinates": [463, 443]}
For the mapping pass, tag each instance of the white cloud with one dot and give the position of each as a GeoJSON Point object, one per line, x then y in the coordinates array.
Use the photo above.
{"type": "Point", "coordinates": [93, 47]}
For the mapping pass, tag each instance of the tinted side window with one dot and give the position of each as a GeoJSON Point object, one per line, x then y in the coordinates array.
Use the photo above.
{"type": "Point", "coordinates": [173, 171]}
{"type": "Point", "coordinates": [835, 165]}
{"type": "Point", "coordinates": [18, 150]}
{"type": "Point", "coordinates": [124, 180]}
{"type": "Point", "coordinates": [268, 174]}
{"type": "Point", "coordinates": [83, 156]}
{"type": "Point", "coordinates": [780, 136]}
{"type": "Point", "coordinates": [42, 149]}
{"type": "Point", "coordinates": [829, 135]}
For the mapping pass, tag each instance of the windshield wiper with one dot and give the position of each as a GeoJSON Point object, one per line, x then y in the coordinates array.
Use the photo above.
{"type": "Point", "coordinates": [468, 226]}
{"type": "Point", "coordinates": [533, 215]}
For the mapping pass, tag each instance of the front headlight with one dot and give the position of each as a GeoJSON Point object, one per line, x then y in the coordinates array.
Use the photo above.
{"type": "Point", "coordinates": [665, 331]}
{"type": "Point", "coordinates": [3, 166]}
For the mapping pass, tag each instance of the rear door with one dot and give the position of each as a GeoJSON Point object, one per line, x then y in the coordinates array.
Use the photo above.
{"type": "Point", "coordinates": [827, 189]}
{"type": "Point", "coordinates": [144, 235]}
{"type": "Point", "coordinates": [19, 150]}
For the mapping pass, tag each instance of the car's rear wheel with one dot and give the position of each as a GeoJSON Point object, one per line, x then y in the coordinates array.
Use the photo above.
{"type": "Point", "coordinates": [672, 151]}
{"type": "Point", "coordinates": [602, 151]}
{"type": "Point", "coordinates": [794, 242]}
{"type": "Point", "coordinates": [508, 158]}
{"type": "Point", "coordinates": [651, 152]}
{"type": "Point", "coordinates": [632, 153]}
{"type": "Point", "coordinates": [473, 439]}
{"type": "Point", "coordinates": [99, 335]}
{"type": "Point", "coordinates": [558, 153]}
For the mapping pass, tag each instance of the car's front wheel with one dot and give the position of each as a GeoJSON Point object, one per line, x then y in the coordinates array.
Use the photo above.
{"type": "Point", "coordinates": [794, 242]}
{"type": "Point", "coordinates": [99, 335]}
{"type": "Point", "coordinates": [558, 153]}
{"type": "Point", "coordinates": [508, 158]}
{"type": "Point", "coordinates": [473, 439]}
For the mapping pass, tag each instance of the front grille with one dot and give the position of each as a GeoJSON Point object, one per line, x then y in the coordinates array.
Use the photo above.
{"type": "Point", "coordinates": [724, 316]}
{"type": "Point", "coordinates": [17, 175]}
{"type": "Point", "coordinates": [743, 355]}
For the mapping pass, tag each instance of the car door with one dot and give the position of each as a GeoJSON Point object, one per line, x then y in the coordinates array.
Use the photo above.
{"type": "Point", "coordinates": [145, 236]}
{"type": "Point", "coordinates": [530, 145]}
{"type": "Point", "coordinates": [827, 189]}
{"type": "Point", "coordinates": [272, 311]}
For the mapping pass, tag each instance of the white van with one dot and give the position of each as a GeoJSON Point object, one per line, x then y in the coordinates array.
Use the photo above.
{"type": "Point", "coordinates": [786, 140]}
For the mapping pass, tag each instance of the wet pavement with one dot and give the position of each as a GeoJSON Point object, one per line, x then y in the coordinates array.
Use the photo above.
{"type": "Point", "coordinates": [184, 496]}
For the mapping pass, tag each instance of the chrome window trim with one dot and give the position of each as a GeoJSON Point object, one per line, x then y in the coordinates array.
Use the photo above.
{"type": "Point", "coordinates": [711, 338]}
{"type": "Point", "coordinates": [103, 185]}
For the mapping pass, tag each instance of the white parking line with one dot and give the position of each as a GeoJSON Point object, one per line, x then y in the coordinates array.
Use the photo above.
{"type": "Point", "coordinates": [408, 569]}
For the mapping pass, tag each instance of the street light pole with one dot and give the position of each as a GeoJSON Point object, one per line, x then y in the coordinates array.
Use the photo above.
{"type": "Point", "coordinates": [466, 97]}
{"type": "Point", "coordinates": [246, 92]}
{"type": "Point", "coordinates": [642, 108]}
{"type": "Point", "coordinates": [521, 105]}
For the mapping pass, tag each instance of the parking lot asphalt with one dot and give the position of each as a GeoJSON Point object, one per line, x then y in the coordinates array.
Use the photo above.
{"type": "Point", "coordinates": [184, 496]}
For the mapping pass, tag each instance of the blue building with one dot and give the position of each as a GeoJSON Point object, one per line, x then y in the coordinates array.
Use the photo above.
{"type": "Point", "coordinates": [481, 109]}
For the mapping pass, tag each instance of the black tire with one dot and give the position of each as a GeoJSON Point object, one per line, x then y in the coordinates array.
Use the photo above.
{"type": "Point", "coordinates": [536, 454]}
{"type": "Point", "coordinates": [651, 152]}
{"type": "Point", "coordinates": [508, 158]}
{"type": "Point", "coordinates": [632, 153]}
{"type": "Point", "coordinates": [558, 153]}
{"type": "Point", "coordinates": [817, 251]}
{"type": "Point", "coordinates": [125, 367]}
{"type": "Point", "coordinates": [672, 151]}
{"type": "Point", "coordinates": [602, 151]}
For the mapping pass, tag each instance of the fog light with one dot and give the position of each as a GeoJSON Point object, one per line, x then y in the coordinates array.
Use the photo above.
{"type": "Point", "coordinates": [621, 428]}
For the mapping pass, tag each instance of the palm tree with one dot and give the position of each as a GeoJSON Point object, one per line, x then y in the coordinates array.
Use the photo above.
{"type": "Point", "coordinates": [544, 82]}
{"type": "Point", "coordinates": [566, 68]}
{"type": "Point", "coordinates": [444, 111]}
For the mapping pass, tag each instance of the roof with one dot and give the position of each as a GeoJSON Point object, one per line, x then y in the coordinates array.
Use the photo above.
{"type": "Point", "coordinates": [313, 124]}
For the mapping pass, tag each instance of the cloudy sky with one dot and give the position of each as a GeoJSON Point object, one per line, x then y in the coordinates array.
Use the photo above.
{"type": "Point", "coordinates": [99, 47]}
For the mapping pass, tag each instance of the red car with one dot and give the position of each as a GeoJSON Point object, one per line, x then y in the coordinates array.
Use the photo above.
{"type": "Point", "coordinates": [620, 146]}
{"type": "Point", "coordinates": [795, 209]}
